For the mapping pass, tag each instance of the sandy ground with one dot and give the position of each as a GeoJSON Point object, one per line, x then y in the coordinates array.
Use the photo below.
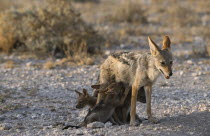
{"type": "Point", "coordinates": [35, 101]}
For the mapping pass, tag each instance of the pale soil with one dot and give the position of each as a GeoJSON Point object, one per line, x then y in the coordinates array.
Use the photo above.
{"type": "Point", "coordinates": [35, 101]}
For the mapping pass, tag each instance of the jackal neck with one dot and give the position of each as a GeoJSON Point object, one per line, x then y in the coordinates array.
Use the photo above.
{"type": "Point", "coordinates": [152, 72]}
{"type": "Point", "coordinates": [92, 101]}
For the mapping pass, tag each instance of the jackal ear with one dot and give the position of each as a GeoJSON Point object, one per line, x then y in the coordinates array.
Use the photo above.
{"type": "Point", "coordinates": [85, 92]}
{"type": "Point", "coordinates": [78, 92]}
{"type": "Point", "coordinates": [153, 47]}
{"type": "Point", "coordinates": [96, 86]}
{"type": "Point", "coordinates": [166, 43]}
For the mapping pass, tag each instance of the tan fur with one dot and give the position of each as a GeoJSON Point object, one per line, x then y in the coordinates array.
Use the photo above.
{"type": "Point", "coordinates": [138, 70]}
{"type": "Point", "coordinates": [166, 43]}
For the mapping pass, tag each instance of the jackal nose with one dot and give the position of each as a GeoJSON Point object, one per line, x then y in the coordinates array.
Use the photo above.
{"type": "Point", "coordinates": [170, 74]}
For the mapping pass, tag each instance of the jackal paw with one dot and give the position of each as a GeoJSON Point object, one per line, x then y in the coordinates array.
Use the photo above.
{"type": "Point", "coordinates": [134, 123]}
{"type": "Point", "coordinates": [153, 120]}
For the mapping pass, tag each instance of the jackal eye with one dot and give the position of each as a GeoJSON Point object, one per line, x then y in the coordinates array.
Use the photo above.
{"type": "Point", "coordinates": [171, 62]}
{"type": "Point", "coordinates": [162, 63]}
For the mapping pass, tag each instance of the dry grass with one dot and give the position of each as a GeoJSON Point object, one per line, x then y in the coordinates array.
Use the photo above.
{"type": "Point", "coordinates": [89, 1]}
{"type": "Point", "coordinates": [9, 64]}
{"type": "Point", "coordinates": [128, 11]}
{"type": "Point", "coordinates": [179, 15]}
{"type": "Point", "coordinates": [54, 28]}
{"type": "Point", "coordinates": [4, 4]}
{"type": "Point", "coordinates": [76, 60]}
{"type": "Point", "coordinates": [49, 65]}
{"type": "Point", "coordinates": [60, 31]}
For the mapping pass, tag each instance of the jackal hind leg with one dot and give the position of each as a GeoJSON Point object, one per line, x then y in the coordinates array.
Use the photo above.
{"type": "Point", "coordinates": [122, 100]}
{"type": "Point", "coordinates": [116, 118]}
{"type": "Point", "coordinates": [113, 121]}
{"type": "Point", "coordinates": [124, 115]}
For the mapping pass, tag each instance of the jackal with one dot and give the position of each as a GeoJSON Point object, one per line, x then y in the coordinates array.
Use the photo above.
{"type": "Point", "coordinates": [85, 99]}
{"type": "Point", "coordinates": [139, 70]}
{"type": "Point", "coordinates": [104, 110]}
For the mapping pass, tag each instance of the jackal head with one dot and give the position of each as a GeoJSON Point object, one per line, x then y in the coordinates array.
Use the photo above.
{"type": "Point", "coordinates": [83, 98]}
{"type": "Point", "coordinates": [163, 58]}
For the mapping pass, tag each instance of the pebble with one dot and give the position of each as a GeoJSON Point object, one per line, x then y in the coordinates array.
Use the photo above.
{"type": "Point", "coordinates": [20, 116]}
{"type": "Point", "coordinates": [189, 62]}
{"type": "Point", "coordinates": [108, 124]}
{"type": "Point", "coordinates": [194, 74]}
{"type": "Point", "coordinates": [33, 116]}
{"type": "Point", "coordinates": [95, 124]}
{"type": "Point", "coordinates": [79, 132]}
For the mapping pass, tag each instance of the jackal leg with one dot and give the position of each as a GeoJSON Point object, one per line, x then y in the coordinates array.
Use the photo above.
{"type": "Point", "coordinates": [133, 105]}
{"type": "Point", "coordinates": [125, 114]}
{"type": "Point", "coordinates": [113, 121]}
{"type": "Point", "coordinates": [116, 118]}
{"type": "Point", "coordinates": [148, 89]}
{"type": "Point", "coordinates": [125, 95]}
{"type": "Point", "coordinates": [138, 82]}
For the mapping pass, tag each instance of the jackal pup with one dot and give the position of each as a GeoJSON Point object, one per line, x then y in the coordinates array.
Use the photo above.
{"type": "Point", "coordinates": [104, 110]}
{"type": "Point", "coordinates": [85, 99]}
{"type": "Point", "coordinates": [139, 70]}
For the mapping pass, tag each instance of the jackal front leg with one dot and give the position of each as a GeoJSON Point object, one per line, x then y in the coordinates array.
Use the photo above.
{"type": "Point", "coordinates": [133, 105]}
{"type": "Point", "coordinates": [148, 89]}
{"type": "Point", "coordinates": [135, 87]}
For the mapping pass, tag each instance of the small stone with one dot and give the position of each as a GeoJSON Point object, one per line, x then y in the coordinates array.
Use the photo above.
{"type": "Point", "coordinates": [205, 94]}
{"type": "Point", "coordinates": [194, 74]}
{"type": "Point", "coordinates": [95, 125]}
{"type": "Point", "coordinates": [189, 62]}
{"type": "Point", "coordinates": [20, 116]}
{"type": "Point", "coordinates": [200, 73]}
{"type": "Point", "coordinates": [163, 84]}
{"type": "Point", "coordinates": [181, 73]}
{"type": "Point", "coordinates": [33, 116]}
{"type": "Point", "coordinates": [196, 78]}
{"type": "Point", "coordinates": [108, 124]}
{"type": "Point", "coordinates": [107, 52]}
{"type": "Point", "coordinates": [176, 98]}
{"type": "Point", "coordinates": [79, 132]}
{"type": "Point", "coordinates": [145, 122]}
{"type": "Point", "coordinates": [2, 118]}
{"type": "Point", "coordinates": [155, 128]}
{"type": "Point", "coordinates": [28, 64]}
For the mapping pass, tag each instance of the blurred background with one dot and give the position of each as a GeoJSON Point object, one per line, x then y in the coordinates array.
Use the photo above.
{"type": "Point", "coordinates": [74, 31]}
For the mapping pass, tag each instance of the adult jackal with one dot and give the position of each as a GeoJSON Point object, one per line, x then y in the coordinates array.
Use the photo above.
{"type": "Point", "coordinates": [139, 70]}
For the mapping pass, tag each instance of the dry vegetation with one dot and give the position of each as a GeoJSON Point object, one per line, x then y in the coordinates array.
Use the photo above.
{"type": "Point", "coordinates": [54, 28]}
{"type": "Point", "coordinates": [79, 28]}
{"type": "Point", "coordinates": [126, 21]}
{"type": "Point", "coordinates": [127, 11]}
{"type": "Point", "coordinates": [9, 64]}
